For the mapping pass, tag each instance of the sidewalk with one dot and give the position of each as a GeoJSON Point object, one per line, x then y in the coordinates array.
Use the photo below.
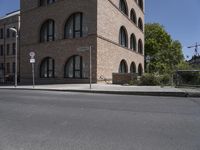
{"type": "Point", "coordinates": [114, 89]}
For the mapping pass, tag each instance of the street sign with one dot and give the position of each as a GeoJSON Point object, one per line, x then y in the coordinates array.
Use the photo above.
{"type": "Point", "coordinates": [83, 49]}
{"type": "Point", "coordinates": [32, 54]}
{"type": "Point", "coordinates": [32, 61]}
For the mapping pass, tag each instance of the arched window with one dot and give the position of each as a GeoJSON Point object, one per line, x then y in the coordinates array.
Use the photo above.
{"type": "Point", "coordinates": [133, 68]}
{"type": "Point", "coordinates": [140, 70]}
{"type": "Point", "coordinates": [140, 3]}
{"type": "Point", "coordinates": [45, 2]}
{"type": "Point", "coordinates": [140, 24]}
{"type": "Point", "coordinates": [74, 26]}
{"type": "Point", "coordinates": [75, 68]}
{"type": "Point", "coordinates": [123, 40]}
{"type": "Point", "coordinates": [47, 68]}
{"type": "Point", "coordinates": [140, 46]}
{"type": "Point", "coordinates": [123, 7]}
{"type": "Point", "coordinates": [47, 31]}
{"type": "Point", "coordinates": [123, 67]}
{"type": "Point", "coordinates": [133, 16]}
{"type": "Point", "coordinates": [133, 42]}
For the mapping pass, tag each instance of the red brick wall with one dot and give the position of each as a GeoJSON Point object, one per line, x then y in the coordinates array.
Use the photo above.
{"type": "Point", "coordinates": [123, 78]}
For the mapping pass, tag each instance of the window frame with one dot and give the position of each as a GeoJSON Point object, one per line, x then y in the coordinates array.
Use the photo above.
{"type": "Point", "coordinates": [140, 24]}
{"type": "Point", "coordinates": [47, 37]}
{"type": "Point", "coordinates": [14, 48]}
{"type": "Point", "coordinates": [133, 37]}
{"type": "Point", "coordinates": [123, 3]}
{"type": "Point", "coordinates": [45, 2]}
{"type": "Point", "coordinates": [73, 59]}
{"type": "Point", "coordinates": [141, 4]}
{"type": "Point", "coordinates": [133, 65]}
{"type": "Point", "coordinates": [13, 67]}
{"type": "Point", "coordinates": [140, 47]}
{"type": "Point", "coordinates": [133, 16]}
{"type": "Point", "coordinates": [8, 33]}
{"type": "Point", "coordinates": [140, 70]}
{"type": "Point", "coordinates": [72, 19]}
{"type": "Point", "coordinates": [1, 33]}
{"type": "Point", "coordinates": [8, 49]}
{"type": "Point", "coordinates": [46, 61]}
{"type": "Point", "coordinates": [1, 50]}
{"type": "Point", "coordinates": [8, 67]}
{"type": "Point", "coordinates": [122, 70]}
{"type": "Point", "coordinates": [123, 37]}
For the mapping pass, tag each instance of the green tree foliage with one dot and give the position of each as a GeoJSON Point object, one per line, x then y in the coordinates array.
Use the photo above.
{"type": "Point", "coordinates": [183, 65]}
{"type": "Point", "coordinates": [165, 53]}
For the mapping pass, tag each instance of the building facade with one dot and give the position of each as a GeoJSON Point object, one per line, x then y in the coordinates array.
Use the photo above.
{"type": "Point", "coordinates": [58, 31]}
{"type": "Point", "coordinates": [7, 46]}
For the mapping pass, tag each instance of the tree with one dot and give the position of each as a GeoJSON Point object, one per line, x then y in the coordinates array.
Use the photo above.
{"type": "Point", "coordinates": [165, 53]}
{"type": "Point", "coordinates": [183, 65]}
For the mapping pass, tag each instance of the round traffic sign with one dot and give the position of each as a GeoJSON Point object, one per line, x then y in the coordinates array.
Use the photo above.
{"type": "Point", "coordinates": [32, 54]}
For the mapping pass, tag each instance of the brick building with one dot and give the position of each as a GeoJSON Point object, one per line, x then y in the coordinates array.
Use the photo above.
{"type": "Point", "coordinates": [7, 46]}
{"type": "Point", "coordinates": [56, 29]}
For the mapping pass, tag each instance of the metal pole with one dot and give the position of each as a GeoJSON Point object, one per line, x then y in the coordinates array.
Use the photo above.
{"type": "Point", "coordinates": [90, 67]}
{"type": "Point", "coordinates": [33, 73]}
{"type": "Point", "coordinates": [16, 53]}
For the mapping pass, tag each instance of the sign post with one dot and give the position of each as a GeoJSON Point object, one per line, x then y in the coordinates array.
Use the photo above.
{"type": "Point", "coordinates": [32, 61]}
{"type": "Point", "coordinates": [83, 49]}
{"type": "Point", "coordinates": [90, 67]}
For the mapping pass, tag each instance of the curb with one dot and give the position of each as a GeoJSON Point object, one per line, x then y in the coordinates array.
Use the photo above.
{"type": "Point", "coordinates": [138, 93]}
{"type": "Point", "coordinates": [193, 94]}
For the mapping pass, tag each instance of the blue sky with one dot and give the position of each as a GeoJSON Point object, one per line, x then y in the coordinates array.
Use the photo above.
{"type": "Point", "coordinates": [7, 6]}
{"type": "Point", "coordinates": [181, 18]}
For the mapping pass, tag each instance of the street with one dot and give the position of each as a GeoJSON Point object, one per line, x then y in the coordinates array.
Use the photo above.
{"type": "Point", "coordinates": [42, 120]}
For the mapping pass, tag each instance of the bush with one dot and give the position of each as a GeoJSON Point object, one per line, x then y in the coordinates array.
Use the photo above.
{"type": "Point", "coordinates": [165, 79]}
{"type": "Point", "coordinates": [189, 78]}
{"type": "Point", "coordinates": [149, 80]}
{"type": "Point", "coordinates": [134, 82]}
{"type": "Point", "coordinates": [152, 80]}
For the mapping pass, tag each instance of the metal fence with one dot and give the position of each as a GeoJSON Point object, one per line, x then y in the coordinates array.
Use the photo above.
{"type": "Point", "coordinates": [189, 78]}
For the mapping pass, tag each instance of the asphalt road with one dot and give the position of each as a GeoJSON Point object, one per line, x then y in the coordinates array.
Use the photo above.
{"type": "Point", "coordinates": [38, 120]}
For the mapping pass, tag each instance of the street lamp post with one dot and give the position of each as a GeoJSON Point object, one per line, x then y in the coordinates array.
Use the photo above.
{"type": "Point", "coordinates": [16, 52]}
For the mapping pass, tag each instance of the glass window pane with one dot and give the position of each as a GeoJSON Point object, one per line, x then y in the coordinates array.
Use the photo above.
{"type": "Point", "coordinates": [123, 7]}
{"type": "Point", "coordinates": [73, 26]}
{"type": "Point", "coordinates": [50, 64]}
{"type": "Point", "coordinates": [77, 74]}
{"type": "Point", "coordinates": [77, 63]}
{"type": "Point", "coordinates": [47, 70]}
{"type": "Point", "coordinates": [69, 68]}
{"type": "Point", "coordinates": [50, 73]}
{"type": "Point", "coordinates": [50, 28]}
{"type": "Point", "coordinates": [69, 29]}
{"type": "Point", "coordinates": [85, 70]}
{"type": "Point", "coordinates": [77, 21]}
{"type": "Point", "coordinates": [77, 34]}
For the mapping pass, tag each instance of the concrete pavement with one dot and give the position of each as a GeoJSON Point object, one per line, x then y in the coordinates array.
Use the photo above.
{"type": "Point", "coordinates": [114, 89]}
